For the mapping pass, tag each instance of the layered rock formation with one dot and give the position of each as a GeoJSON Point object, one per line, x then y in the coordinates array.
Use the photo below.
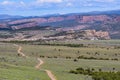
{"type": "Point", "coordinates": [76, 19]}
{"type": "Point", "coordinates": [97, 34]}
{"type": "Point", "coordinates": [82, 34]}
{"type": "Point", "coordinates": [109, 23]}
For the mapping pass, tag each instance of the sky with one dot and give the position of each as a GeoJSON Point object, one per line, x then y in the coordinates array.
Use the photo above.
{"type": "Point", "coordinates": [44, 7]}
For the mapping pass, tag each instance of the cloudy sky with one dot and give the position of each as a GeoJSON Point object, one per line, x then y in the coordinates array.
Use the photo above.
{"type": "Point", "coordinates": [42, 7]}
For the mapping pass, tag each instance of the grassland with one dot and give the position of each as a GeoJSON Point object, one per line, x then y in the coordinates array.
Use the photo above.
{"type": "Point", "coordinates": [13, 67]}
{"type": "Point", "coordinates": [59, 59]}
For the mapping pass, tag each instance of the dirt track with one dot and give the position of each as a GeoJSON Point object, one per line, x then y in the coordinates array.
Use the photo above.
{"type": "Point", "coordinates": [39, 64]}
{"type": "Point", "coordinates": [52, 77]}
{"type": "Point", "coordinates": [19, 51]}
{"type": "Point", "coordinates": [49, 73]}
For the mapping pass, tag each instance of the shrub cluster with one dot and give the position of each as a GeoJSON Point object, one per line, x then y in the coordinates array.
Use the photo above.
{"type": "Point", "coordinates": [97, 75]}
{"type": "Point", "coordinates": [93, 58]}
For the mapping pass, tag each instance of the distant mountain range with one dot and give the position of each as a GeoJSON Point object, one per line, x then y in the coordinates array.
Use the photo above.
{"type": "Point", "coordinates": [6, 16]}
{"type": "Point", "coordinates": [98, 20]}
{"type": "Point", "coordinates": [112, 12]}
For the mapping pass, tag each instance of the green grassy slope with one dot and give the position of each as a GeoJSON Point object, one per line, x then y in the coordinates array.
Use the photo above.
{"type": "Point", "coordinates": [14, 67]}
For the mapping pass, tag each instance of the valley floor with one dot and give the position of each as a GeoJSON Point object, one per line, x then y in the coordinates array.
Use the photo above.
{"type": "Point", "coordinates": [45, 62]}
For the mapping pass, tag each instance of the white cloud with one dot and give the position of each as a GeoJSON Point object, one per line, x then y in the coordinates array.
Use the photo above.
{"type": "Point", "coordinates": [22, 3]}
{"type": "Point", "coordinates": [7, 3]}
{"type": "Point", "coordinates": [69, 4]}
{"type": "Point", "coordinates": [49, 1]}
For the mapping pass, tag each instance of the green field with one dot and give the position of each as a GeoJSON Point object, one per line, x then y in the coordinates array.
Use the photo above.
{"type": "Point", "coordinates": [58, 59]}
{"type": "Point", "coordinates": [13, 67]}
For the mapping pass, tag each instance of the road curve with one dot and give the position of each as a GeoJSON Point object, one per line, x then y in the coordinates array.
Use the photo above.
{"type": "Point", "coordinates": [49, 73]}
{"type": "Point", "coordinates": [19, 51]}
{"type": "Point", "coordinates": [39, 64]}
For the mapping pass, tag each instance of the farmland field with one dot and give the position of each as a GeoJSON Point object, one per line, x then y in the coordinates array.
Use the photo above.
{"type": "Point", "coordinates": [57, 59]}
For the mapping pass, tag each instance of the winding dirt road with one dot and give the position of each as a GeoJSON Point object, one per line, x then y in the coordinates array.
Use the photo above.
{"type": "Point", "coordinates": [52, 77]}
{"type": "Point", "coordinates": [39, 64]}
{"type": "Point", "coordinates": [49, 73]}
{"type": "Point", "coordinates": [19, 51]}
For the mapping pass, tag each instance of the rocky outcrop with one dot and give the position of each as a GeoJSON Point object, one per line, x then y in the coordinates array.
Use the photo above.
{"type": "Point", "coordinates": [117, 19]}
{"type": "Point", "coordinates": [76, 19]}
{"type": "Point", "coordinates": [4, 25]}
{"type": "Point", "coordinates": [25, 21]}
{"type": "Point", "coordinates": [93, 34]}
{"type": "Point", "coordinates": [27, 25]}
{"type": "Point", "coordinates": [82, 34]}
{"type": "Point", "coordinates": [91, 19]}
{"type": "Point", "coordinates": [32, 22]}
{"type": "Point", "coordinates": [55, 19]}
